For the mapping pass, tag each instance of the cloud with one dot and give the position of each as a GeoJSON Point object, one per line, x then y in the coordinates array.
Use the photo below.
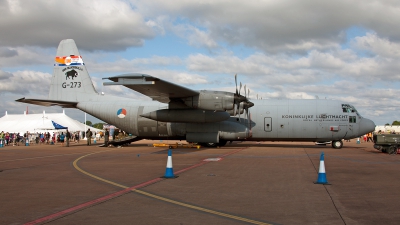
{"type": "Point", "coordinates": [14, 57]}
{"type": "Point", "coordinates": [25, 82]}
{"type": "Point", "coordinates": [122, 65]}
{"type": "Point", "coordinates": [195, 36]}
{"type": "Point", "coordinates": [284, 26]}
{"type": "Point", "coordinates": [113, 24]}
{"type": "Point", "coordinates": [383, 47]}
{"type": "Point", "coordinates": [5, 75]}
{"type": "Point", "coordinates": [7, 52]}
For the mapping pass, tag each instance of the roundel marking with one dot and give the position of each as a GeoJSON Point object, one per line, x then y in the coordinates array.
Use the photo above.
{"type": "Point", "coordinates": [121, 113]}
{"type": "Point", "coordinates": [68, 61]}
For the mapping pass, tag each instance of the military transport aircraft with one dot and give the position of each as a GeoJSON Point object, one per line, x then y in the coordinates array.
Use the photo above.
{"type": "Point", "coordinates": [210, 118]}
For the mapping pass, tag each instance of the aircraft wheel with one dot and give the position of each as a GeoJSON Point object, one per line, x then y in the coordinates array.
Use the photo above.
{"type": "Point", "coordinates": [209, 145]}
{"type": "Point", "coordinates": [222, 143]}
{"type": "Point", "coordinates": [337, 144]}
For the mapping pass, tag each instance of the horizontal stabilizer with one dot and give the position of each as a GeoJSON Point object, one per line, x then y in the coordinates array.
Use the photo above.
{"type": "Point", "coordinates": [48, 102]}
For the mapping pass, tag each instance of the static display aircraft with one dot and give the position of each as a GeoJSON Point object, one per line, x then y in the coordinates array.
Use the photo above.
{"type": "Point", "coordinates": [210, 118]}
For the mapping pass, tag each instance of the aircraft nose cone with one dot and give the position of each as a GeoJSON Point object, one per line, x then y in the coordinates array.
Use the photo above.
{"type": "Point", "coordinates": [366, 126]}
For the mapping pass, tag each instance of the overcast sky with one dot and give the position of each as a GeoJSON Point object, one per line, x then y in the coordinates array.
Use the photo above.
{"type": "Point", "coordinates": [346, 50]}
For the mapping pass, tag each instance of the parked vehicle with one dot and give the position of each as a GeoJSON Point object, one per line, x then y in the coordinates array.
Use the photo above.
{"type": "Point", "coordinates": [389, 143]}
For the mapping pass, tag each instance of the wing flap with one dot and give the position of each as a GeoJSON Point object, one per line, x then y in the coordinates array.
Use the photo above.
{"type": "Point", "coordinates": [155, 88]}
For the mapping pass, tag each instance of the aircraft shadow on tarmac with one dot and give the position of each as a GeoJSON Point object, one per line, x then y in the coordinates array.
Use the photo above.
{"type": "Point", "coordinates": [183, 150]}
{"type": "Point", "coordinates": [283, 145]}
{"type": "Point", "coordinates": [180, 150]}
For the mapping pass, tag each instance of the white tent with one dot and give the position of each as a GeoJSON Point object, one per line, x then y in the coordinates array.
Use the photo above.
{"type": "Point", "coordinates": [33, 123]}
{"type": "Point", "coordinates": [388, 128]}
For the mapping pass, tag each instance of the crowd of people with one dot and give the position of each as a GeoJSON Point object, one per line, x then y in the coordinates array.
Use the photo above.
{"type": "Point", "coordinates": [61, 138]}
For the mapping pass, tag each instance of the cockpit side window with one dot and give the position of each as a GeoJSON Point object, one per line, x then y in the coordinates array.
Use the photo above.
{"type": "Point", "coordinates": [355, 111]}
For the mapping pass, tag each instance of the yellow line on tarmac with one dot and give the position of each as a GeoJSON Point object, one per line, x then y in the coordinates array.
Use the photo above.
{"type": "Point", "coordinates": [75, 163]}
{"type": "Point", "coordinates": [93, 176]}
{"type": "Point", "coordinates": [200, 208]}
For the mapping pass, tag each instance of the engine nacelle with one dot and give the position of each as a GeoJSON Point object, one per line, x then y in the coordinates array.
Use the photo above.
{"type": "Point", "coordinates": [209, 133]}
{"type": "Point", "coordinates": [187, 116]}
{"type": "Point", "coordinates": [211, 100]}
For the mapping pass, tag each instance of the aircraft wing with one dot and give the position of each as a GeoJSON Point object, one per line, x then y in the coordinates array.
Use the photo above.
{"type": "Point", "coordinates": [48, 102]}
{"type": "Point", "coordinates": [157, 89]}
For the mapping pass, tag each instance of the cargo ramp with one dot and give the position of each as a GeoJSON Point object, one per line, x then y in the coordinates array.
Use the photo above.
{"type": "Point", "coordinates": [122, 141]}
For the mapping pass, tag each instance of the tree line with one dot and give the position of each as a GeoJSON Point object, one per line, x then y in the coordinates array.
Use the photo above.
{"type": "Point", "coordinates": [394, 123]}
{"type": "Point", "coordinates": [96, 125]}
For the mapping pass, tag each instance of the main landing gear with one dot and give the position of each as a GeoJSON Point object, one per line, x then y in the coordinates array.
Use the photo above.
{"type": "Point", "coordinates": [337, 144]}
{"type": "Point", "coordinates": [214, 145]}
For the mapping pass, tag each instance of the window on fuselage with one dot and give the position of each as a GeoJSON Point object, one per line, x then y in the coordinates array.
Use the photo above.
{"type": "Point", "coordinates": [352, 119]}
{"type": "Point", "coordinates": [354, 110]}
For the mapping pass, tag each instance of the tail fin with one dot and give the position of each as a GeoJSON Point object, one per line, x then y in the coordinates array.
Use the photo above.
{"type": "Point", "coordinates": [70, 81]}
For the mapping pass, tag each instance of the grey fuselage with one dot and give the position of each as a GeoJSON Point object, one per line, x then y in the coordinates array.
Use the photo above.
{"type": "Point", "coordinates": [270, 120]}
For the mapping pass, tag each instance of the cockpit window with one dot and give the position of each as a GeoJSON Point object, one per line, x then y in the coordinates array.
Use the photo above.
{"type": "Point", "coordinates": [346, 108]}
{"type": "Point", "coordinates": [349, 109]}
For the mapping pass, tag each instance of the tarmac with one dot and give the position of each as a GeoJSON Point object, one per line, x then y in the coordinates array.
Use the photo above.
{"type": "Point", "coordinates": [240, 183]}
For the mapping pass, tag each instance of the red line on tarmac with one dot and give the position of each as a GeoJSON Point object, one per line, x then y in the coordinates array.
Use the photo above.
{"type": "Point", "coordinates": [230, 153]}
{"type": "Point", "coordinates": [116, 194]}
{"type": "Point", "coordinates": [87, 204]}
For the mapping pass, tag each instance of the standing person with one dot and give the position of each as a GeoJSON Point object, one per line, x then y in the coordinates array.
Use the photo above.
{"type": "Point", "coordinates": [89, 136]}
{"type": "Point", "coordinates": [2, 137]}
{"type": "Point", "coordinates": [106, 137]}
{"type": "Point", "coordinates": [62, 137]}
{"type": "Point", "coordinates": [77, 137]}
{"type": "Point", "coordinates": [7, 138]}
{"type": "Point", "coordinates": [68, 136]}
{"type": "Point", "coordinates": [369, 137]}
{"type": "Point", "coordinates": [17, 138]}
{"type": "Point", "coordinates": [12, 138]}
{"type": "Point", "coordinates": [47, 136]}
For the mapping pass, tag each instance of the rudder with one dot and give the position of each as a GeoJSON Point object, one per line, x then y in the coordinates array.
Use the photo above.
{"type": "Point", "coordinates": [70, 80]}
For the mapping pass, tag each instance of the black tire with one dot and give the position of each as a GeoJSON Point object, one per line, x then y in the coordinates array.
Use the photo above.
{"type": "Point", "coordinates": [222, 143]}
{"type": "Point", "coordinates": [337, 144]}
{"type": "Point", "coordinates": [392, 150]}
{"type": "Point", "coordinates": [209, 145]}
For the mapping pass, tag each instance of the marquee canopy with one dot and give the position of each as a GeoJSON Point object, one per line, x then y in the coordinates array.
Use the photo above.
{"type": "Point", "coordinates": [20, 123]}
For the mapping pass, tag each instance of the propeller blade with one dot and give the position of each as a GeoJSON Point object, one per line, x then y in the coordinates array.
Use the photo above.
{"type": "Point", "coordinates": [241, 108]}
{"type": "Point", "coordinates": [240, 88]}
{"type": "Point", "coordinates": [245, 91]}
{"type": "Point", "coordinates": [249, 118]}
{"type": "Point", "coordinates": [236, 83]}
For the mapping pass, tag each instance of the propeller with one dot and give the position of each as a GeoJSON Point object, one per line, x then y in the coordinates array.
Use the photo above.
{"type": "Point", "coordinates": [246, 106]}
{"type": "Point", "coordinates": [241, 103]}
